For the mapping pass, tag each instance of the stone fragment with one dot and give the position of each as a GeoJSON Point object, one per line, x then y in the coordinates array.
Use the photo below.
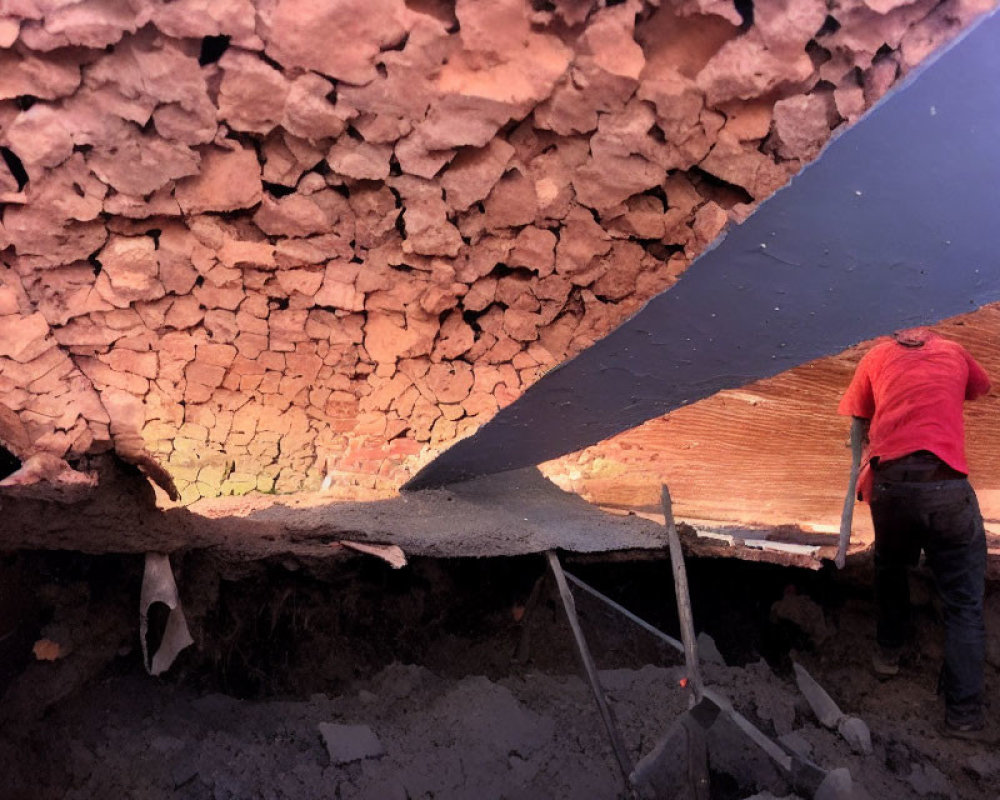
{"type": "Point", "coordinates": [416, 156]}
{"type": "Point", "coordinates": [534, 249]}
{"type": "Point", "coordinates": [194, 19]}
{"type": "Point", "coordinates": [428, 231]}
{"type": "Point", "coordinates": [129, 271]}
{"type": "Point", "coordinates": [66, 192]}
{"type": "Point", "coordinates": [252, 93]}
{"type": "Point", "coordinates": [389, 336]}
{"type": "Point", "coordinates": [609, 39]}
{"type": "Point", "coordinates": [748, 120]}
{"type": "Point", "coordinates": [626, 159]}
{"type": "Point", "coordinates": [9, 30]}
{"type": "Point", "coordinates": [138, 163]}
{"type": "Point", "coordinates": [787, 26]}
{"type": "Point", "coordinates": [292, 215]}
{"type": "Point", "coordinates": [580, 241]}
{"type": "Point", "coordinates": [709, 221]}
{"type": "Point", "coordinates": [474, 172]}
{"type": "Point", "coordinates": [309, 111]}
{"type": "Point", "coordinates": [20, 336]}
{"type": "Point", "coordinates": [521, 326]}
{"type": "Point", "coordinates": [359, 160]}
{"type": "Point", "coordinates": [90, 23]}
{"type": "Point", "coordinates": [390, 105]}
{"type": "Point", "coordinates": [928, 780]}
{"type": "Point", "coordinates": [856, 734]}
{"type": "Point", "coordinates": [603, 76]}
{"type": "Point", "coordinates": [338, 290]}
{"type": "Point", "coordinates": [641, 217]}
{"type": "Point", "coordinates": [282, 164]}
{"type": "Point", "coordinates": [450, 383]}
{"type": "Point", "coordinates": [624, 263]}
{"type": "Point", "coordinates": [985, 765]}
{"type": "Point", "coordinates": [837, 785]}
{"type": "Point", "coordinates": [339, 40]}
{"type": "Point", "coordinates": [850, 102]}
{"type": "Point", "coordinates": [47, 77]}
{"type": "Point", "coordinates": [512, 203]}
{"type": "Point", "coordinates": [39, 137]}
{"type": "Point", "coordinates": [228, 179]}
{"type": "Point", "coordinates": [503, 70]}
{"type": "Point", "coordinates": [744, 68]}
{"type": "Point", "coordinates": [51, 241]}
{"type": "Point", "coordinates": [186, 126]}
{"type": "Point", "coordinates": [864, 32]}
{"type": "Point", "coordinates": [744, 166]}
{"type": "Point", "coordinates": [375, 214]}
{"type": "Point", "coordinates": [718, 8]}
{"type": "Point", "coordinates": [678, 102]}
{"type": "Point", "coordinates": [802, 125]}
{"type": "Point", "coordinates": [826, 710]}
{"type": "Point", "coordinates": [150, 69]}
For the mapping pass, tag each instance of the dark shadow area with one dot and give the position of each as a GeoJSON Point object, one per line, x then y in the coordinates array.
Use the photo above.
{"type": "Point", "coordinates": [9, 463]}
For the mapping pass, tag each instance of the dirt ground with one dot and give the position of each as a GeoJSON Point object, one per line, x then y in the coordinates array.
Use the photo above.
{"type": "Point", "coordinates": [463, 689]}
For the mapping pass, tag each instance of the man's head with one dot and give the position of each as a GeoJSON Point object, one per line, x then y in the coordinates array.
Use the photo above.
{"type": "Point", "coordinates": [913, 337]}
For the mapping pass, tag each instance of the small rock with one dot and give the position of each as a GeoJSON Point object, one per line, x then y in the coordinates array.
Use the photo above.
{"type": "Point", "coordinates": [926, 780]}
{"type": "Point", "coordinates": [707, 650]}
{"type": "Point", "coordinates": [837, 785]}
{"type": "Point", "coordinates": [346, 743]}
{"type": "Point", "coordinates": [985, 765]}
{"type": "Point", "coordinates": [823, 706]}
{"type": "Point", "coordinates": [856, 734]}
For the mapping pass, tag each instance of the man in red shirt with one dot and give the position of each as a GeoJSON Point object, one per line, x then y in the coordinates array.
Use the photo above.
{"type": "Point", "coordinates": [911, 388]}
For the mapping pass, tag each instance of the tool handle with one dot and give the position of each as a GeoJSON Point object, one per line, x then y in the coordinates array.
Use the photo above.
{"type": "Point", "coordinates": [683, 598]}
{"type": "Point", "coordinates": [847, 515]}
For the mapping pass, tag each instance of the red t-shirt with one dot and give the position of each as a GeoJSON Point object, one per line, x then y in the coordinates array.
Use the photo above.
{"type": "Point", "coordinates": [913, 397]}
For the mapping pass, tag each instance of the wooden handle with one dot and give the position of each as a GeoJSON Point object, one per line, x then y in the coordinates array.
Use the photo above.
{"type": "Point", "coordinates": [683, 598]}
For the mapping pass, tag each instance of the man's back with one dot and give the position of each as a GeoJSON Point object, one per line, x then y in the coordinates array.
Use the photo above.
{"type": "Point", "coordinates": [913, 394]}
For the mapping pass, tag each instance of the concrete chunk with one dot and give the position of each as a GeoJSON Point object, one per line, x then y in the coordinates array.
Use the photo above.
{"type": "Point", "coordinates": [347, 743]}
{"type": "Point", "coordinates": [823, 706]}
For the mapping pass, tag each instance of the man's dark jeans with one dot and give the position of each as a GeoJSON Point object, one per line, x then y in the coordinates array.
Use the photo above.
{"type": "Point", "coordinates": [941, 517]}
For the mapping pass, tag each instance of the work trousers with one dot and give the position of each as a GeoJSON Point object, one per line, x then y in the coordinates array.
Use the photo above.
{"type": "Point", "coordinates": [942, 517]}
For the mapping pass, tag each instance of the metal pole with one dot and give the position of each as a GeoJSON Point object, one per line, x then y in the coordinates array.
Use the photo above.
{"type": "Point", "coordinates": [683, 598]}
{"type": "Point", "coordinates": [621, 754]}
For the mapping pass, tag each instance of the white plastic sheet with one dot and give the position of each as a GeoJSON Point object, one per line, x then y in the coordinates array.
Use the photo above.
{"type": "Point", "coordinates": [158, 586]}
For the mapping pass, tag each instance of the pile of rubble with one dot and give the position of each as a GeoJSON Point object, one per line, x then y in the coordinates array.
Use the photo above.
{"type": "Point", "coordinates": [292, 242]}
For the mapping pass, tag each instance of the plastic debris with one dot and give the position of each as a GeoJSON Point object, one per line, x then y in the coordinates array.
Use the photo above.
{"type": "Point", "coordinates": [158, 586]}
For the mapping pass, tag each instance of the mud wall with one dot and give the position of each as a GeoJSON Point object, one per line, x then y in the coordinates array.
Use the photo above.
{"type": "Point", "coordinates": [301, 243]}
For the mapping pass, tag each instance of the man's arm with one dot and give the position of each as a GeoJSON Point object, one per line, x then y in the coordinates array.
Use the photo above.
{"type": "Point", "coordinates": [859, 399]}
{"type": "Point", "coordinates": [978, 383]}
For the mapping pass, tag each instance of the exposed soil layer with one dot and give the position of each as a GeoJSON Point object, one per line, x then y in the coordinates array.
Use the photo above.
{"type": "Point", "coordinates": [471, 689]}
